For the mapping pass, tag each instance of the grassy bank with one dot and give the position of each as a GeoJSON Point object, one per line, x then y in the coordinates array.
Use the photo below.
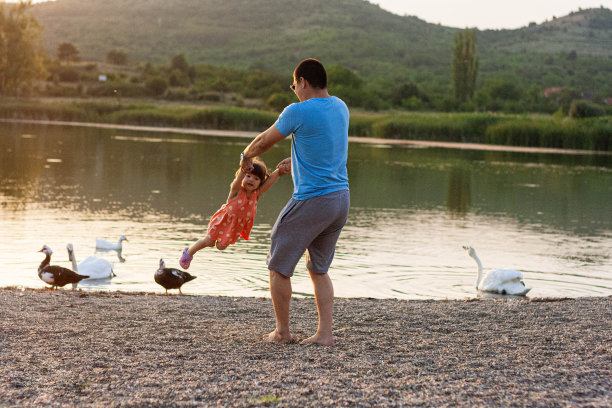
{"type": "Point", "coordinates": [511, 130]}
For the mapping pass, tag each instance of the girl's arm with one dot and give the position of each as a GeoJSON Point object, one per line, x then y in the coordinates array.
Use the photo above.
{"type": "Point", "coordinates": [283, 168]}
{"type": "Point", "coordinates": [236, 185]}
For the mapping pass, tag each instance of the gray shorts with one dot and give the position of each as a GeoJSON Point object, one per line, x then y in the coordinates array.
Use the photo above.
{"type": "Point", "coordinates": [312, 225]}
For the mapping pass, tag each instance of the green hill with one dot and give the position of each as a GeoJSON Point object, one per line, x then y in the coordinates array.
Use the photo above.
{"type": "Point", "coordinates": [266, 34]}
{"type": "Point", "coordinates": [574, 50]}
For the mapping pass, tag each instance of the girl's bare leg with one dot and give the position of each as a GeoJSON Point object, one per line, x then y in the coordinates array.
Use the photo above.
{"type": "Point", "coordinates": [200, 244]}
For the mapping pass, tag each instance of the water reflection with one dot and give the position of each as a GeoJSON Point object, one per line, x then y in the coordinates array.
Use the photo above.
{"type": "Point", "coordinates": [117, 252]}
{"type": "Point", "coordinates": [411, 212]}
{"type": "Point", "coordinates": [458, 191]}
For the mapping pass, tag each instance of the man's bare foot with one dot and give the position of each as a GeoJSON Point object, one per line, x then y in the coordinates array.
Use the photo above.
{"type": "Point", "coordinates": [319, 339]}
{"type": "Point", "coordinates": [275, 337]}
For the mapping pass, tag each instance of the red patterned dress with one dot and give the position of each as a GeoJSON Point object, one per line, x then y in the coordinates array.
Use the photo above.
{"type": "Point", "coordinates": [234, 219]}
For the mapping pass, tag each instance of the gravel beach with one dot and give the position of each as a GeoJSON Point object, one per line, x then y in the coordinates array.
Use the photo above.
{"type": "Point", "coordinates": [82, 348]}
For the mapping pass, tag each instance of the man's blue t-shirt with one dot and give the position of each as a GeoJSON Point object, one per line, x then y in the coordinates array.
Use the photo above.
{"type": "Point", "coordinates": [319, 147]}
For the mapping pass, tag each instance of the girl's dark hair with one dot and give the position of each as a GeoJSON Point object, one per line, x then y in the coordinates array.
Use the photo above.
{"type": "Point", "coordinates": [259, 169]}
{"type": "Point", "coordinates": [313, 71]}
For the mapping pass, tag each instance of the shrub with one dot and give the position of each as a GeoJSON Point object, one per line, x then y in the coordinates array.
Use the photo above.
{"type": "Point", "coordinates": [68, 75]}
{"type": "Point", "coordinates": [157, 86]}
{"type": "Point", "coordinates": [277, 101]}
{"type": "Point", "coordinates": [585, 109]}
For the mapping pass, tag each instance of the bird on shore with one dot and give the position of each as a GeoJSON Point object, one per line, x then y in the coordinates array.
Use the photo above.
{"type": "Point", "coordinates": [502, 281]}
{"type": "Point", "coordinates": [104, 244]}
{"type": "Point", "coordinates": [95, 268]}
{"type": "Point", "coordinates": [171, 278]}
{"type": "Point", "coordinates": [57, 276]}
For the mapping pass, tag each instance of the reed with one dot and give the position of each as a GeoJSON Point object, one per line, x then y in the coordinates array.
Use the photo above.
{"type": "Point", "coordinates": [42, 111]}
{"type": "Point", "coordinates": [512, 130]}
{"type": "Point", "coordinates": [589, 134]}
{"type": "Point", "coordinates": [516, 130]}
{"type": "Point", "coordinates": [453, 127]}
{"type": "Point", "coordinates": [231, 119]}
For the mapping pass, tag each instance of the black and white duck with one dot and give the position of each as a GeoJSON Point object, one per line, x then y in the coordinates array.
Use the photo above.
{"type": "Point", "coordinates": [171, 278]}
{"type": "Point", "coordinates": [57, 276]}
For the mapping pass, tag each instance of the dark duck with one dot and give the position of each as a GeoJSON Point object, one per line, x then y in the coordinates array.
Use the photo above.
{"type": "Point", "coordinates": [170, 278]}
{"type": "Point", "coordinates": [56, 276]}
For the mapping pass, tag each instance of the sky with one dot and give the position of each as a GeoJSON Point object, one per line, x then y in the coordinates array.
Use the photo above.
{"type": "Point", "coordinates": [484, 14]}
{"type": "Point", "coordinates": [487, 14]}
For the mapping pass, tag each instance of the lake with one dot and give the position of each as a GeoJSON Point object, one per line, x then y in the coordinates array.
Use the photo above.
{"type": "Point", "coordinates": [412, 210]}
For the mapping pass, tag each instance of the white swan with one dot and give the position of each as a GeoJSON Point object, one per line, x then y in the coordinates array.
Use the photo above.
{"type": "Point", "coordinates": [95, 268]}
{"type": "Point", "coordinates": [104, 244]}
{"type": "Point", "coordinates": [502, 281]}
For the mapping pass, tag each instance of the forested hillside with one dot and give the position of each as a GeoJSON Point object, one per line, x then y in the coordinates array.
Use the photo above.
{"type": "Point", "coordinates": [267, 34]}
{"type": "Point", "coordinates": [382, 49]}
{"type": "Point", "coordinates": [272, 34]}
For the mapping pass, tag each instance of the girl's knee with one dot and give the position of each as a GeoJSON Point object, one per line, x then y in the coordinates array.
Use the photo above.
{"type": "Point", "coordinates": [220, 246]}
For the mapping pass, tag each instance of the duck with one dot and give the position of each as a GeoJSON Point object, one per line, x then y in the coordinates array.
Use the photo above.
{"type": "Point", "coordinates": [500, 281]}
{"type": "Point", "coordinates": [104, 244]}
{"type": "Point", "coordinates": [95, 268]}
{"type": "Point", "coordinates": [57, 276]}
{"type": "Point", "coordinates": [171, 278]}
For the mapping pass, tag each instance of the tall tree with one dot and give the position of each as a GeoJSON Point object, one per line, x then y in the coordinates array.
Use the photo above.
{"type": "Point", "coordinates": [117, 57]}
{"type": "Point", "coordinates": [67, 52]}
{"type": "Point", "coordinates": [21, 56]}
{"type": "Point", "coordinates": [465, 64]}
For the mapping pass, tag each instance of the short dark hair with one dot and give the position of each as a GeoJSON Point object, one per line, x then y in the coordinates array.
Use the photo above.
{"type": "Point", "coordinates": [313, 71]}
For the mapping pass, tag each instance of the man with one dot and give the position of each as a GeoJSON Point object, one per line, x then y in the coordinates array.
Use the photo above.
{"type": "Point", "coordinates": [313, 218]}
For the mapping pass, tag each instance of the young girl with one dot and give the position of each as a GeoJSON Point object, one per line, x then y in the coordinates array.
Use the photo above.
{"type": "Point", "coordinates": [235, 218]}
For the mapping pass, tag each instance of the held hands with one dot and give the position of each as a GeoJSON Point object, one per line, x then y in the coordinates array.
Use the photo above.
{"type": "Point", "coordinates": [284, 167]}
{"type": "Point", "coordinates": [246, 164]}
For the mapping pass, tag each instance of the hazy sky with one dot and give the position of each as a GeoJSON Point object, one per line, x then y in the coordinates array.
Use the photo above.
{"type": "Point", "coordinates": [484, 13]}
{"type": "Point", "coordinates": [487, 13]}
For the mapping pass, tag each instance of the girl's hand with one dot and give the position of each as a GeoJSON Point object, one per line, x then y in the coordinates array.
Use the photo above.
{"type": "Point", "coordinates": [284, 167]}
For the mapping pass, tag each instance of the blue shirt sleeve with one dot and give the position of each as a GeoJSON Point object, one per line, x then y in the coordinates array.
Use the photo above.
{"type": "Point", "coordinates": [287, 121]}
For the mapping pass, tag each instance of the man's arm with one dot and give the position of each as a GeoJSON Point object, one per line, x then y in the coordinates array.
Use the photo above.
{"type": "Point", "coordinates": [261, 144]}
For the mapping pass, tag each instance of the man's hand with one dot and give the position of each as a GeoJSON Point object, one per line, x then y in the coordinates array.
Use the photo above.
{"type": "Point", "coordinates": [246, 163]}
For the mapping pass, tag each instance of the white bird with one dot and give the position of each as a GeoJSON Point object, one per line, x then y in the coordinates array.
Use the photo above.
{"type": "Point", "coordinates": [95, 268]}
{"type": "Point", "coordinates": [104, 244]}
{"type": "Point", "coordinates": [502, 281]}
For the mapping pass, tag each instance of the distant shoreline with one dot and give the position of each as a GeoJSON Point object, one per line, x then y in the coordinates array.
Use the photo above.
{"type": "Point", "coordinates": [353, 139]}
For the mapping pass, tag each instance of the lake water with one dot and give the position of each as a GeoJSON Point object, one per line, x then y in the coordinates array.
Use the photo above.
{"type": "Point", "coordinates": [412, 209]}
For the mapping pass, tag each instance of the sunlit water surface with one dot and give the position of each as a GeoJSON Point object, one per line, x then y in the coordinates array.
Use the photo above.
{"type": "Point", "coordinates": [548, 216]}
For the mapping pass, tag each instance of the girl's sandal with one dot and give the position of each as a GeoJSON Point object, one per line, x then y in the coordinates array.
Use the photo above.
{"type": "Point", "coordinates": [185, 260]}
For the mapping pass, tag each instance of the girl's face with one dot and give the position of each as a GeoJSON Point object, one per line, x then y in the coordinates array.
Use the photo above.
{"type": "Point", "coordinates": [250, 182]}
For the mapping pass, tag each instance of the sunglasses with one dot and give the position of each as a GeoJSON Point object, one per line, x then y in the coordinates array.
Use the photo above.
{"type": "Point", "coordinates": [293, 85]}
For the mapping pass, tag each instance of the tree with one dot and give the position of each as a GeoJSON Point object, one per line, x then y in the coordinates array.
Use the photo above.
{"type": "Point", "coordinates": [465, 64]}
{"type": "Point", "coordinates": [345, 84]}
{"type": "Point", "coordinates": [117, 57]}
{"type": "Point", "coordinates": [179, 62]}
{"type": "Point", "coordinates": [67, 52]}
{"type": "Point", "coordinates": [21, 56]}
